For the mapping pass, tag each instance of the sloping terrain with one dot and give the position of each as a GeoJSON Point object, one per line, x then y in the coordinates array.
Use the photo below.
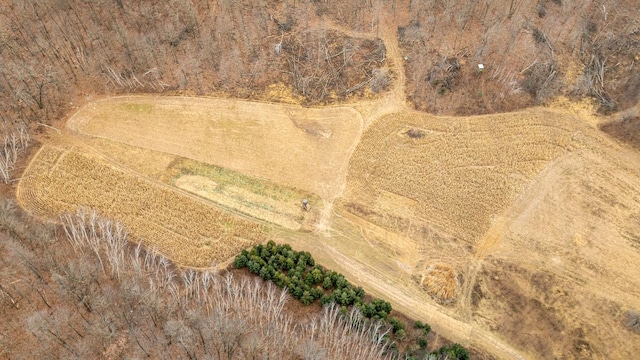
{"type": "Point", "coordinates": [481, 225]}
{"type": "Point", "coordinates": [514, 234]}
{"type": "Point", "coordinates": [454, 173]}
{"type": "Point", "coordinates": [188, 231]}
{"type": "Point", "coordinates": [567, 257]}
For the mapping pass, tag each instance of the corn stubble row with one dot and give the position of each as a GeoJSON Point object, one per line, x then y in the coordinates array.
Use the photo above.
{"type": "Point", "coordinates": [460, 171]}
{"type": "Point", "coordinates": [188, 231]}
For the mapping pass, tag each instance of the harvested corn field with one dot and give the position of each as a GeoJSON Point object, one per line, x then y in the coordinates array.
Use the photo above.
{"type": "Point", "coordinates": [190, 232]}
{"type": "Point", "coordinates": [305, 148]}
{"type": "Point", "coordinates": [455, 173]}
{"type": "Point", "coordinates": [456, 220]}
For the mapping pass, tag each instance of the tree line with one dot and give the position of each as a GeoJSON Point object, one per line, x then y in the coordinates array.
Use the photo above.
{"type": "Point", "coordinates": [84, 290]}
{"type": "Point", "coordinates": [298, 273]}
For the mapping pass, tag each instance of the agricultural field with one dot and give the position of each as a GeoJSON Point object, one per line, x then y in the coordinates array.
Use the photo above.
{"type": "Point", "coordinates": [190, 232]}
{"type": "Point", "coordinates": [304, 148]}
{"type": "Point", "coordinates": [514, 232]}
{"type": "Point", "coordinates": [464, 222]}
{"type": "Point", "coordinates": [531, 212]}
{"type": "Point", "coordinates": [454, 173]}
{"type": "Point", "coordinates": [258, 198]}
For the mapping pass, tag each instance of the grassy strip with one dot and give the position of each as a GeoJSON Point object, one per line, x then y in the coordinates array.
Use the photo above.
{"type": "Point", "coordinates": [225, 177]}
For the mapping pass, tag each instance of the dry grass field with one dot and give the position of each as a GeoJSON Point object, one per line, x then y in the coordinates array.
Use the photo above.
{"type": "Point", "coordinates": [514, 234]}
{"type": "Point", "coordinates": [190, 232]}
{"type": "Point", "coordinates": [258, 198]}
{"type": "Point", "coordinates": [535, 213]}
{"type": "Point", "coordinates": [454, 173]}
{"type": "Point", "coordinates": [304, 148]}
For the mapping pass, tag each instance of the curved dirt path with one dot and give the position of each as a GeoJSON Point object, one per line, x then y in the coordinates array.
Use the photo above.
{"type": "Point", "coordinates": [405, 296]}
{"type": "Point", "coordinates": [415, 305]}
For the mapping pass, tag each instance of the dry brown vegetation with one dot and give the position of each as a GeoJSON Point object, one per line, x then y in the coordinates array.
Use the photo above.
{"type": "Point", "coordinates": [521, 227]}
{"type": "Point", "coordinates": [439, 281]}
{"type": "Point", "coordinates": [532, 50]}
{"type": "Point", "coordinates": [54, 52]}
{"type": "Point", "coordinates": [536, 211]}
{"type": "Point", "coordinates": [92, 294]}
{"type": "Point", "coordinates": [190, 232]}
{"type": "Point", "coordinates": [454, 173]}
{"type": "Point", "coordinates": [251, 138]}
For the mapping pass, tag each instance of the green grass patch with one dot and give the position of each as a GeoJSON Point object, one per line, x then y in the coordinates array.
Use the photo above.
{"type": "Point", "coordinates": [224, 177]}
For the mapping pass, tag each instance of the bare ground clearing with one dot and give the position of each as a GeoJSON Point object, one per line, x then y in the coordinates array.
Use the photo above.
{"type": "Point", "coordinates": [506, 201]}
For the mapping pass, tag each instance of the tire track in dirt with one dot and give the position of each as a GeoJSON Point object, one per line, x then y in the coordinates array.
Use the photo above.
{"type": "Point", "coordinates": [537, 189]}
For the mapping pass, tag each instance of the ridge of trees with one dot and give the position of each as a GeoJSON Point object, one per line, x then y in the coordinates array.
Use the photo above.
{"type": "Point", "coordinates": [299, 274]}
{"type": "Point", "coordinates": [307, 281]}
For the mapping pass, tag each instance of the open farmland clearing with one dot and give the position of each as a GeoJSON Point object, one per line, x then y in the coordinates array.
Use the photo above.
{"type": "Point", "coordinates": [536, 212]}
{"type": "Point", "coordinates": [458, 221]}
{"type": "Point", "coordinates": [305, 148]}
{"type": "Point", "coordinates": [258, 198]}
{"type": "Point", "coordinates": [455, 172]}
{"type": "Point", "coordinates": [184, 229]}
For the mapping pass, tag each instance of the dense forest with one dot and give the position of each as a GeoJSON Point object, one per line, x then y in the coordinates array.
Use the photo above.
{"type": "Point", "coordinates": [56, 52]}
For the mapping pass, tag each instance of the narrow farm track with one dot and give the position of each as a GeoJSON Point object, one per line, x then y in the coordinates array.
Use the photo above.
{"type": "Point", "coordinates": [405, 299]}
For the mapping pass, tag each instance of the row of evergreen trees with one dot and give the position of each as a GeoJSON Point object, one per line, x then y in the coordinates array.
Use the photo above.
{"type": "Point", "coordinates": [309, 282]}
{"type": "Point", "coordinates": [306, 280]}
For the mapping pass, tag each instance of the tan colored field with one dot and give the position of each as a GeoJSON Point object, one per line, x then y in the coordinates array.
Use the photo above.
{"type": "Point", "coordinates": [454, 173]}
{"type": "Point", "coordinates": [481, 226]}
{"type": "Point", "coordinates": [536, 212]}
{"type": "Point", "coordinates": [299, 147]}
{"type": "Point", "coordinates": [182, 228]}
